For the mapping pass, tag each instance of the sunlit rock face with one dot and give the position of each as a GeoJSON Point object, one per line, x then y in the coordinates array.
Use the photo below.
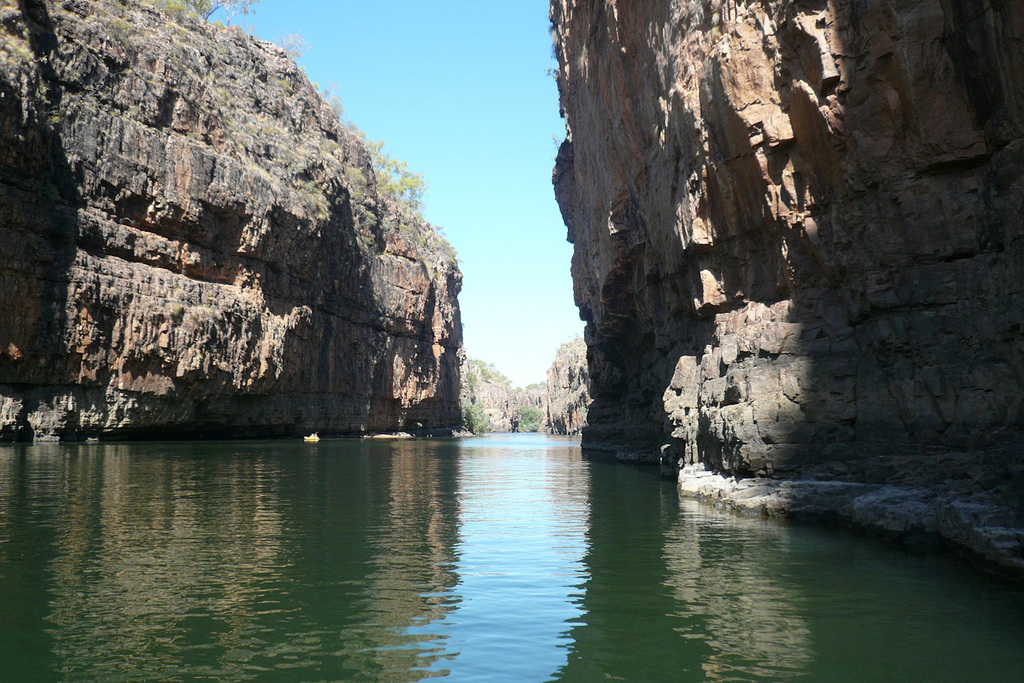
{"type": "Point", "coordinates": [567, 396]}
{"type": "Point", "coordinates": [797, 227]}
{"type": "Point", "coordinates": [191, 242]}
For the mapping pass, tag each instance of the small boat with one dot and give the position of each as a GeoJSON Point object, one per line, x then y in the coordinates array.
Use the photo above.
{"type": "Point", "coordinates": [315, 436]}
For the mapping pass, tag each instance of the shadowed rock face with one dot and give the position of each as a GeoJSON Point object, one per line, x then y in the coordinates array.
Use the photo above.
{"type": "Point", "coordinates": [190, 242]}
{"type": "Point", "coordinates": [796, 224]}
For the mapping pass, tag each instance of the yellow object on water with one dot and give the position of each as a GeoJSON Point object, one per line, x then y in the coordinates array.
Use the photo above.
{"type": "Point", "coordinates": [315, 436]}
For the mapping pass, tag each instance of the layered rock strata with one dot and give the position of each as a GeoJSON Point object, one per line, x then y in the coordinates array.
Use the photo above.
{"type": "Point", "coordinates": [567, 398]}
{"type": "Point", "coordinates": [192, 243]}
{"type": "Point", "coordinates": [797, 235]}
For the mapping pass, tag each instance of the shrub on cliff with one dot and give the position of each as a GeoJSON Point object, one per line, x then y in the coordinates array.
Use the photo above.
{"type": "Point", "coordinates": [530, 419]}
{"type": "Point", "coordinates": [403, 187]}
{"type": "Point", "coordinates": [396, 180]}
{"type": "Point", "coordinates": [474, 419]}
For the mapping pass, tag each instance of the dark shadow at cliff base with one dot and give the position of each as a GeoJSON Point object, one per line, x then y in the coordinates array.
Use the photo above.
{"type": "Point", "coordinates": [40, 202]}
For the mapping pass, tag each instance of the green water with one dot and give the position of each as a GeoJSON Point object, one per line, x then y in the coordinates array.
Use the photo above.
{"type": "Point", "coordinates": [503, 558]}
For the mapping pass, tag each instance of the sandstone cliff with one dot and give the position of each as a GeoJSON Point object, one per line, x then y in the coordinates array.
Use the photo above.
{"type": "Point", "coordinates": [502, 404]}
{"type": "Point", "coordinates": [191, 242]}
{"type": "Point", "coordinates": [567, 398]}
{"type": "Point", "coordinates": [798, 242]}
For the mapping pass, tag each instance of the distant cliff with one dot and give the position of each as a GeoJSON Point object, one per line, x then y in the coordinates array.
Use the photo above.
{"type": "Point", "coordinates": [798, 245]}
{"type": "Point", "coordinates": [559, 406]}
{"type": "Point", "coordinates": [192, 243]}
{"type": "Point", "coordinates": [567, 398]}
{"type": "Point", "coordinates": [496, 405]}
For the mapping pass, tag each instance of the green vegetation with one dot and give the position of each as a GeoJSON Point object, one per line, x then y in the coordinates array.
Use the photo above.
{"type": "Point", "coordinates": [487, 392]}
{"type": "Point", "coordinates": [474, 419]}
{"type": "Point", "coordinates": [530, 419]}
{"type": "Point", "coordinates": [487, 372]}
{"type": "Point", "coordinates": [330, 95]}
{"type": "Point", "coordinates": [120, 29]}
{"type": "Point", "coordinates": [395, 180]}
{"type": "Point", "coordinates": [477, 373]}
{"type": "Point", "coordinates": [356, 184]}
{"type": "Point", "coordinates": [400, 185]}
{"type": "Point", "coordinates": [386, 196]}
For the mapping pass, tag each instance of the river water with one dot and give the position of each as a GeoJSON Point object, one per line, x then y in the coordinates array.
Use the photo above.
{"type": "Point", "coordinates": [499, 558]}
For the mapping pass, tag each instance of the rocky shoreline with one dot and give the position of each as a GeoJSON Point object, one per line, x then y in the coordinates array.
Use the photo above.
{"type": "Point", "coordinates": [970, 503]}
{"type": "Point", "coordinates": [979, 524]}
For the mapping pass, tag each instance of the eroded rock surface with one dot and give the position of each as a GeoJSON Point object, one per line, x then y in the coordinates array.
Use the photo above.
{"type": "Point", "coordinates": [191, 242]}
{"type": "Point", "coordinates": [567, 398]}
{"type": "Point", "coordinates": [797, 231]}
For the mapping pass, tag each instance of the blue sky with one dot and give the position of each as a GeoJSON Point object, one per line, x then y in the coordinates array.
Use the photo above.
{"type": "Point", "coordinates": [459, 90]}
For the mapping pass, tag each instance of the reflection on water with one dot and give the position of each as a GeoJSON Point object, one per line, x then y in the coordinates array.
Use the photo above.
{"type": "Point", "coordinates": [277, 561]}
{"type": "Point", "coordinates": [151, 572]}
{"type": "Point", "coordinates": [497, 558]}
{"type": "Point", "coordinates": [731, 593]}
{"type": "Point", "coordinates": [412, 567]}
{"type": "Point", "coordinates": [677, 591]}
{"type": "Point", "coordinates": [523, 512]}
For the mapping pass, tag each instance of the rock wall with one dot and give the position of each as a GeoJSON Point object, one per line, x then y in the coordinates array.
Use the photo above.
{"type": "Point", "coordinates": [797, 231]}
{"type": "Point", "coordinates": [567, 398]}
{"type": "Point", "coordinates": [192, 243]}
{"type": "Point", "coordinates": [796, 224]}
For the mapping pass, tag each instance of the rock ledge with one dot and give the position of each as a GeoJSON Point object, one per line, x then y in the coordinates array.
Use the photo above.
{"type": "Point", "coordinates": [910, 515]}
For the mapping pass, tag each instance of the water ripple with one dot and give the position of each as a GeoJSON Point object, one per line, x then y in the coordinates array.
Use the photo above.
{"type": "Point", "coordinates": [496, 558]}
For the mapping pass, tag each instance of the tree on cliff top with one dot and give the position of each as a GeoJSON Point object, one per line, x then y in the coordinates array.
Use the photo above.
{"type": "Point", "coordinates": [204, 9]}
{"type": "Point", "coordinates": [487, 373]}
{"type": "Point", "coordinates": [396, 180]}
